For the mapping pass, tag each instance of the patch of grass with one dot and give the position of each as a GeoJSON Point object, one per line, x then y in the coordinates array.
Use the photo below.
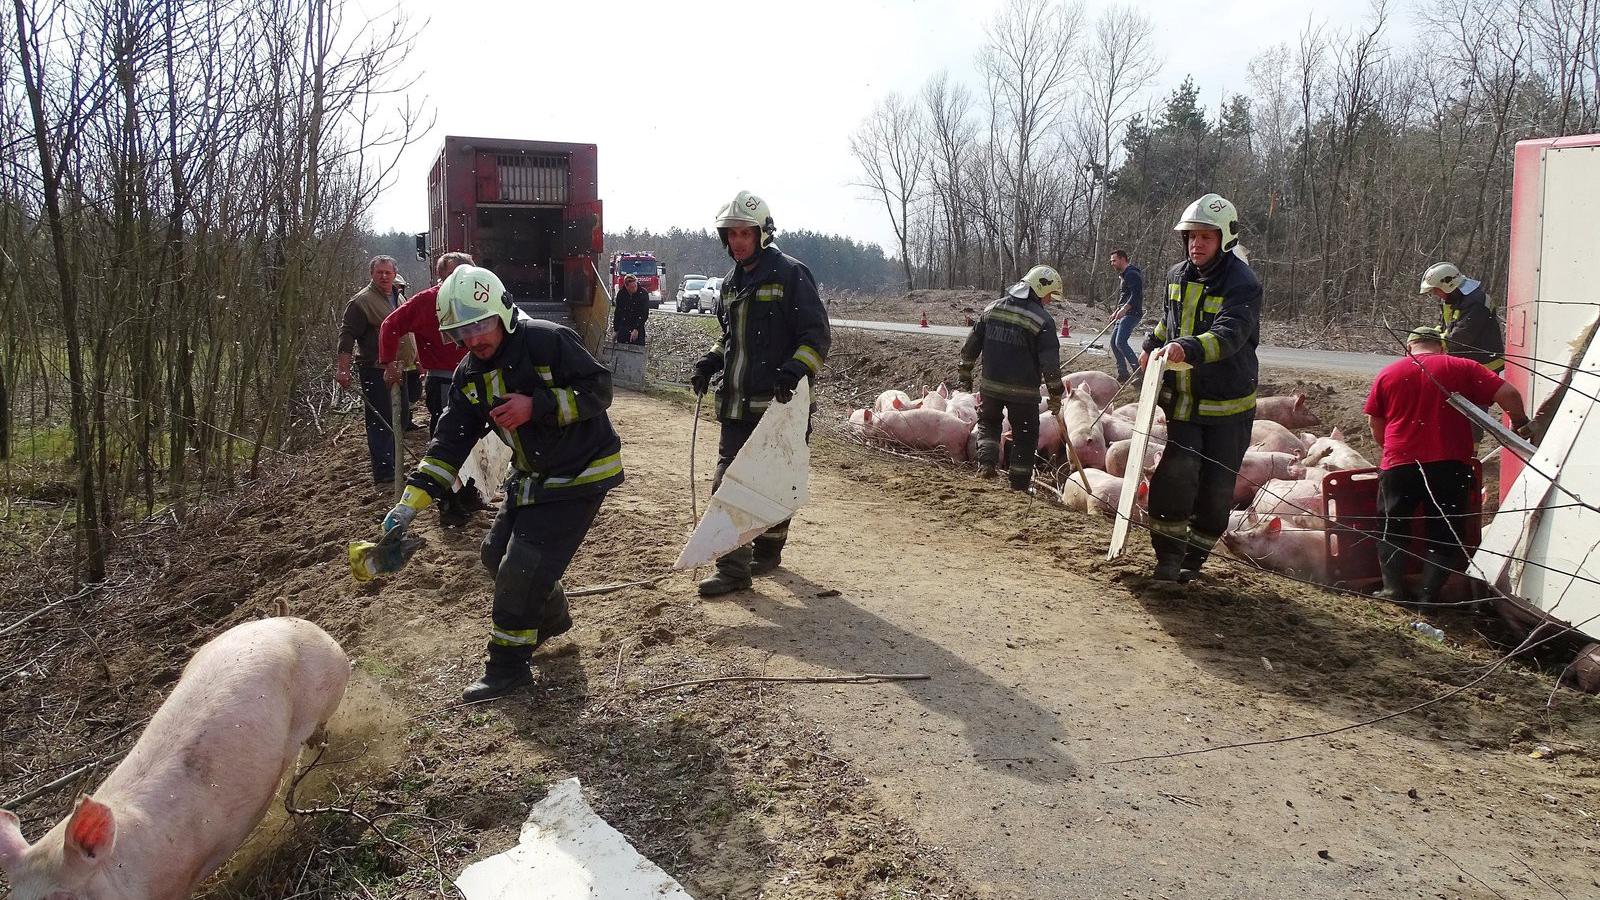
{"type": "Point", "coordinates": [377, 667]}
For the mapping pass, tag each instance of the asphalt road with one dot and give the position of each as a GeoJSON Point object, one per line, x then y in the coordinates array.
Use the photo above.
{"type": "Point", "coordinates": [1341, 361]}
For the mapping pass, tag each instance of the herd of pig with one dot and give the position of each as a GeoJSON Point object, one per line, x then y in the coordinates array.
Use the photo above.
{"type": "Point", "coordinates": [1278, 520]}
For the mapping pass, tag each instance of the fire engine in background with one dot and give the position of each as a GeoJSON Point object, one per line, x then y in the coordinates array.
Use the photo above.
{"type": "Point", "coordinates": [651, 273]}
{"type": "Point", "coordinates": [529, 211]}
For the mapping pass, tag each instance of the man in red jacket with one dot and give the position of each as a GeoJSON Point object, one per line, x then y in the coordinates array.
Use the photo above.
{"type": "Point", "coordinates": [1427, 454]}
{"type": "Point", "coordinates": [437, 357]}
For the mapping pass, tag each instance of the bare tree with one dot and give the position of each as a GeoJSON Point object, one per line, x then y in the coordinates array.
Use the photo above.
{"type": "Point", "coordinates": [1120, 67]}
{"type": "Point", "coordinates": [893, 152]}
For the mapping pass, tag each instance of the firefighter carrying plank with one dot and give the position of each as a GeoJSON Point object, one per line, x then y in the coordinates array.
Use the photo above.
{"type": "Point", "coordinates": [1017, 339]}
{"type": "Point", "coordinates": [1210, 326]}
{"type": "Point", "coordinates": [534, 384]}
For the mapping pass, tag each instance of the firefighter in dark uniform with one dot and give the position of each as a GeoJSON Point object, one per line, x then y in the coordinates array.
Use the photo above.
{"type": "Point", "coordinates": [1209, 329]}
{"type": "Point", "coordinates": [774, 333]}
{"type": "Point", "coordinates": [534, 384]}
{"type": "Point", "coordinates": [1471, 329]}
{"type": "Point", "coordinates": [1017, 339]}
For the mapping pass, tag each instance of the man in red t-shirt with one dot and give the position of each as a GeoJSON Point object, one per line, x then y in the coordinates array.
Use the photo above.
{"type": "Point", "coordinates": [1427, 451]}
{"type": "Point", "coordinates": [437, 357]}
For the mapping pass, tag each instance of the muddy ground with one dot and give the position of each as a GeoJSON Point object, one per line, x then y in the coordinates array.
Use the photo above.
{"type": "Point", "coordinates": [1000, 776]}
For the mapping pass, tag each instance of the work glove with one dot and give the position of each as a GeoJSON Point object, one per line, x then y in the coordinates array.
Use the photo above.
{"type": "Point", "coordinates": [785, 383]}
{"type": "Point", "coordinates": [703, 370]}
{"type": "Point", "coordinates": [1054, 403]}
{"type": "Point", "coordinates": [413, 501]}
{"type": "Point", "coordinates": [964, 383]}
{"type": "Point", "coordinates": [1523, 428]}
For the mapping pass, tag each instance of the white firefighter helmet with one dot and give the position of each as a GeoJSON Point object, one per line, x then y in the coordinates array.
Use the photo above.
{"type": "Point", "coordinates": [1213, 212]}
{"type": "Point", "coordinates": [746, 209]}
{"type": "Point", "coordinates": [472, 294]}
{"type": "Point", "coordinates": [1444, 276]}
{"type": "Point", "coordinates": [1041, 280]}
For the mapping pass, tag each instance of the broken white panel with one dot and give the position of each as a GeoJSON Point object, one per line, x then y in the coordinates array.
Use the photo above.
{"type": "Point", "coordinates": [1143, 421]}
{"type": "Point", "coordinates": [1546, 537]}
{"type": "Point", "coordinates": [767, 482]}
{"type": "Point", "coordinates": [567, 852]}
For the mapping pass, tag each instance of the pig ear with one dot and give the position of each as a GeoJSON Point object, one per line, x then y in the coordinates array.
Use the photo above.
{"type": "Point", "coordinates": [1299, 401]}
{"type": "Point", "coordinates": [1274, 525]}
{"type": "Point", "coordinates": [944, 390]}
{"type": "Point", "coordinates": [12, 844]}
{"type": "Point", "coordinates": [92, 830]}
{"type": "Point", "coordinates": [866, 414]}
{"type": "Point", "coordinates": [1337, 434]}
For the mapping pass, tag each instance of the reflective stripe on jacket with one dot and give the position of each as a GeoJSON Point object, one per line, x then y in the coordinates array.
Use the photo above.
{"type": "Point", "coordinates": [1217, 320]}
{"type": "Point", "coordinates": [567, 449]}
{"type": "Point", "coordinates": [1017, 340]}
{"type": "Point", "coordinates": [772, 318]}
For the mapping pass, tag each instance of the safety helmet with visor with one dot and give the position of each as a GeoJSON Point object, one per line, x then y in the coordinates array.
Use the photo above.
{"type": "Point", "coordinates": [1444, 276]}
{"type": "Point", "coordinates": [1213, 212]}
{"type": "Point", "coordinates": [1041, 281]}
{"type": "Point", "coordinates": [743, 211]}
{"type": "Point", "coordinates": [470, 301]}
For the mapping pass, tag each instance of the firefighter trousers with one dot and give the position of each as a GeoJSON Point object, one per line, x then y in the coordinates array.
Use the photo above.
{"type": "Point", "coordinates": [1024, 416]}
{"type": "Point", "coordinates": [1191, 492]}
{"type": "Point", "coordinates": [527, 550]}
{"type": "Point", "coordinates": [769, 543]}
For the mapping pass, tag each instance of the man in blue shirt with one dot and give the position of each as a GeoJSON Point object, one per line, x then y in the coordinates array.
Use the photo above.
{"type": "Point", "coordinates": [1128, 314]}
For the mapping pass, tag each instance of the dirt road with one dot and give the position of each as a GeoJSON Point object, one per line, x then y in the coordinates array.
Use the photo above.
{"type": "Point", "coordinates": [995, 778]}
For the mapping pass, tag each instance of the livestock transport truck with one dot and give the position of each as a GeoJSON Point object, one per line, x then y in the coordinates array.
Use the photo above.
{"type": "Point", "coordinates": [529, 211]}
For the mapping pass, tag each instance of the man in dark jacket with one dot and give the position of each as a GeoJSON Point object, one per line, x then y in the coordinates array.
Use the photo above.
{"type": "Point", "coordinates": [632, 309]}
{"type": "Point", "coordinates": [358, 343]}
{"type": "Point", "coordinates": [532, 383]}
{"type": "Point", "coordinates": [1017, 339]}
{"type": "Point", "coordinates": [1209, 329]}
{"type": "Point", "coordinates": [1127, 315]}
{"type": "Point", "coordinates": [774, 333]}
{"type": "Point", "coordinates": [1471, 329]}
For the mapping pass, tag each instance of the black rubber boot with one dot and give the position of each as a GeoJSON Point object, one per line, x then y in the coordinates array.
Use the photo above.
{"type": "Point", "coordinates": [1168, 567]}
{"type": "Point", "coordinates": [1392, 565]}
{"type": "Point", "coordinates": [558, 621]}
{"type": "Point", "coordinates": [1193, 559]}
{"type": "Point", "coordinates": [497, 681]}
{"type": "Point", "coordinates": [1433, 578]}
{"type": "Point", "coordinates": [765, 558]}
{"type": "Point", "coordinates": [733, 574]}
{"type": "Point", "coordinates": [986, 470]}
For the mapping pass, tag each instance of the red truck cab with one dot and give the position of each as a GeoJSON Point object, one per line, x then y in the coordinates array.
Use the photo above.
{"type": "Point", "coordinates": [530, 212]}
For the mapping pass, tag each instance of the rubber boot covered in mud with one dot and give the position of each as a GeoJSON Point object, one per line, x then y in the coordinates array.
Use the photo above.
{"type": "Point", "coordinates": [767, 550]}
{"type": "Point", "coordinates": [733, 574]}
{"type": "Point", "coordinates": [1392, 566]}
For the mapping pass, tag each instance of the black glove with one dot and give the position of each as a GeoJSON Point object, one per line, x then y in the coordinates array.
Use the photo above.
{"type": "Point", "coordinates": [701, 380]}
{"type": "Point", "coordinates": [784, 385]}
{"type": "Point", "coordinates": [964, 384]}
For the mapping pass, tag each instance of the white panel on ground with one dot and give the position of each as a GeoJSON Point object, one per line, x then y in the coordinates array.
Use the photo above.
{"type": "Point", "coordinates": [1143, 421]}
{"type": "Point", "coordinates": [567, 853]}
{"type": "Point", "coordinates": [767, 482]}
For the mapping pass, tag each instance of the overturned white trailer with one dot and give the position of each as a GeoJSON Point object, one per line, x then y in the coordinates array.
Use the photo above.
{"type": "Point", "coordinates": [1541, 554]}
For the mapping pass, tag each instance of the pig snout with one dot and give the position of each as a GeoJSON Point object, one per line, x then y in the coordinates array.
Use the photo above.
{"type": "Point", "coordinates": [199, 778]}
{"type": "Point", "coordinates": [1297, 551]}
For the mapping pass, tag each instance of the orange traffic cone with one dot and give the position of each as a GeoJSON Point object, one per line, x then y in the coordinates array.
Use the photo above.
{"type": "Point", "coordinates": [1066, 330]}
{"type": "Point", "coordinates": [924, 319]}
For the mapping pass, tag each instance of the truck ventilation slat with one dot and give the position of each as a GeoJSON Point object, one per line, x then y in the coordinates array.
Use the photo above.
{"type": "Point", "coordinates": [532, 178]}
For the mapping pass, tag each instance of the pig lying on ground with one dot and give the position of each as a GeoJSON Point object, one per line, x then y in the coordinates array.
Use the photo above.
{"type": "Point", "coordinates": [200, 777]}
{"type": "Point", "coordinates": [1101, 387]}
{"type": "Point", "coordinates": [1117, 456]}
{"type": "Point", "coordinates": [1290, 412]}
{"type": "Point", "coordinates": [892, 399]}
{"type": "Point", "coordinates": [1272, 437]}
{"type": "Point", "coordinates": [964, 406]}
{"type": "Point", "coordinates": [1130, 411]}
{"type": "Point", "coordinates": [921, 429]}
{"type": "Point", "coordinates": [1333, 453]}
{"type": "Point", "coordinates": [1301, 552]}
{"type": "Point", "coordinates": [1105, 492]}
{"type": "Point", "coordinates": [1258, 467]}
{"type": "Point", "coordinates": [1051, 437]}
{"type": "Point", "coordinates": [1298, 502]}
{"type": "Point", "coordinates": [1116, 428]}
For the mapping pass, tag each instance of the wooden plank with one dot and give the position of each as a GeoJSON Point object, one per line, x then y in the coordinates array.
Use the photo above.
{"type": "Point", "coordinates": [1143, 421]}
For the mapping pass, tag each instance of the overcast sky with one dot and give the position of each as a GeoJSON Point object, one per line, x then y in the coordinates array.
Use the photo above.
{"type": "Point", "coordinates": [690, 102]}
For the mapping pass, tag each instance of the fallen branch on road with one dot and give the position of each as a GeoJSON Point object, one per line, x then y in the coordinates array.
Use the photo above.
{"type": "Point", "coordinates": [864, 678]}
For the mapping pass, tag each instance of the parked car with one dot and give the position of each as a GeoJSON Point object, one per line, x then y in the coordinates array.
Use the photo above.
{"type": "Point", "coordinates": [709, 293]}
{"type": "Point", "coordinates": [689, 292]}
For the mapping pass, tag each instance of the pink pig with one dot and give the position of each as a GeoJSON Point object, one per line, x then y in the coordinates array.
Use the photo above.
{"type": "Point", "coordinates": [922, 429]}
{"type": "Point", "coordinates": [1333, 453]}
{"type": "Point", "coordinates": [964, 406]}
{"type": "Point", "coordinates": [892, 399]}
{"type": "Point", "coordinates": [1105, 492]}
{"type": "Point", "coordinates": [1258, 467]}
{"type": "Point", "coordinates": [1116, 428]}
{"type": "Point", "coordinates": [1290, 412]}
{"type": "Point", "coordinates": [1102, 387]}
{"type": "Point", "coordinates": [1051, 437]}
{"type": "Point", "coordinates": [200, 777]}
{"type": "Point", "coordinates": [1298, 501]}
{"type": "Point", "coordinates": [1293, 550]}
{"type": "Point", "coordinates": [1117, 456]}
{"type": "Point", "coordinates": [1130, 411]}
{"type": "Point", "coordinates": [936, 399]}
{"type": "Point", "coordinates": [1083, 430]}
{"type": "Point", "coordinates": [1270, 436]}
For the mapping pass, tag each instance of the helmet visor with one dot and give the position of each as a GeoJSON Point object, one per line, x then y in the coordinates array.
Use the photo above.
{"type": "Point", "coordinates": [459, 336]}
